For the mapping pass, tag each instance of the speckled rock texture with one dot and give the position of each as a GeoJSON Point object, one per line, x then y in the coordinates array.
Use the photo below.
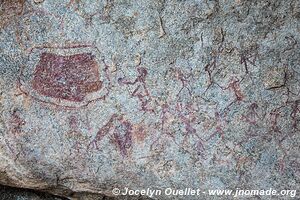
{"type": "Point", "coordinates": [103, 94]}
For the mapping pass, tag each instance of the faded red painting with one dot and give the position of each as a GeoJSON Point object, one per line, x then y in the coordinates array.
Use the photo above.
{"type": "Point", "coordinates": [69, 77]}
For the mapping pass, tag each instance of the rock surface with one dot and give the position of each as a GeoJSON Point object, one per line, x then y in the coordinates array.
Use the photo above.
{"type": "Point", "coordinates": [138, 94]}
{"type": "Point", "coordinates": [9, 193]}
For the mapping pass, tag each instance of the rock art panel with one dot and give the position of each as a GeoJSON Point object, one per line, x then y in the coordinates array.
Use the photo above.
{"type": "Point", "coordinates": [97, 95]}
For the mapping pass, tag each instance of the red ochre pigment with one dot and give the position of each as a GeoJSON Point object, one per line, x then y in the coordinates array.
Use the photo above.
{"type": "Point", "coordinates": [66, 77]}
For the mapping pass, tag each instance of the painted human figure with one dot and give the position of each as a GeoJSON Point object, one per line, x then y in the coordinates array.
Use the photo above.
{"type": "Point", "coordinates": [141, 91]}
{"type": "Point", "coordinates": [120, 131]}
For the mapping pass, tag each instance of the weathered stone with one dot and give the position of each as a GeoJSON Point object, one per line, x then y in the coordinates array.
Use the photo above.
{"type": "Point", "coordinates": [97, 95]}
{"type": "Point", "coordinates": [9, 193]}
{"type": "Point", "coordinates": [275, 78]}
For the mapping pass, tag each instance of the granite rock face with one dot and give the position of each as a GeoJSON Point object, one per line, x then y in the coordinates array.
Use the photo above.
{"type": "Point", "coordinates": [138, 94]}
